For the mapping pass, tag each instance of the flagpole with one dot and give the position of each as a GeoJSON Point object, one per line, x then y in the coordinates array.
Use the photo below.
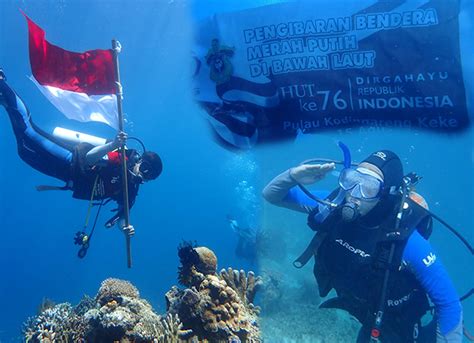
{"type": "Point", "coordinates": [116, 48]}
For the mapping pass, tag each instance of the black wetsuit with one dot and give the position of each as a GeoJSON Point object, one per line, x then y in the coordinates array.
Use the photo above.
{"type": "Point", "coordinates": [350, 258]}
{"type": "Point", "coordinates": [64, 161]}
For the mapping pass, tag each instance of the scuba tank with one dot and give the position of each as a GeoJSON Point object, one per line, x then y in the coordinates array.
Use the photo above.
{"type": "Point", "coordinates": [75, 137]}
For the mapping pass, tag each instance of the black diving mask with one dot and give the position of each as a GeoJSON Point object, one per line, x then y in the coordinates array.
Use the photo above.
{"type": "Point", "coordinates": [145, 168]}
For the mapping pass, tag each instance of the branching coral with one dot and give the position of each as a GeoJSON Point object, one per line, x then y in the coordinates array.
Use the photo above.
{"type": "Point", "coordinates": [246, 286]}
{"type": "Point", "coordinates": [173, 329]}
{"type": "Point", "coordinates": [55, 324]}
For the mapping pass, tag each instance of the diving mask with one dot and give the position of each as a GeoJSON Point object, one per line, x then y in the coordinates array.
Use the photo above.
{"type": "Point", "coordinates": [146, 169]}
{"type": "Point", "coordinates": [361, 185]}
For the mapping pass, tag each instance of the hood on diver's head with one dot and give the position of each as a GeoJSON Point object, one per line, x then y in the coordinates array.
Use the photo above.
{"type": "Point", "coordinates": [391, 167]}
{"type": "Point", "coordinates": [151, 165]}
{"type": "Point", "coordinates": [392, 171]}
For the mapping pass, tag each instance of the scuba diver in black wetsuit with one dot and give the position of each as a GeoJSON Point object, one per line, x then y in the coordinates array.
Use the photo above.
{"type": "Point", "coordinates": [371, 247]}
{"type": "Point", "coordinates": [91, 173]}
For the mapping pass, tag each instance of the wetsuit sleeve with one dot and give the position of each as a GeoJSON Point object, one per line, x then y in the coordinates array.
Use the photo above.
{"type": "Point", "coordinates": [422, 260]}
{"type": "Point", "coordinates": [97, 153]}
{"type": "Point", "coordinates": [282, 191]}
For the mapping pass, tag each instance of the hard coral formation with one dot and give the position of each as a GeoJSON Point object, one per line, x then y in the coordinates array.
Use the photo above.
{"type": "Point", "coordinates": [196, 262]}
{"type": "Point", "coordinates": [207, 260]}
{"type": "Point", "coordinates": [214, 308]}
{"type": "Point", "coordinates": [121, 315]}
{"type": "Point", "coordinates": [115, 289]}
{"type": "Point", "coordinates": [173, 329]}
{"type": "Point", "coordinates": [246, 286]}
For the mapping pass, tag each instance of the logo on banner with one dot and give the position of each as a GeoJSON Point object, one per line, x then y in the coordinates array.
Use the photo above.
{"type": "Point", "coordinates": [218, 59]}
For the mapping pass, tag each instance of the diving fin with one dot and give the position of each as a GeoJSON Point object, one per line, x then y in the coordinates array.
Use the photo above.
{"type": "Point", "coordinates": [336, 302]}
{"type": "Point", "coordinates": [342, 304]}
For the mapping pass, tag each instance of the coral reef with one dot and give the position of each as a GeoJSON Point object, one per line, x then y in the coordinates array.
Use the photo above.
{"type": "Point", "coordinates": [218, 307]}
{"type": "Point", "coordinates": [173, 329]}
{"type": "Point", "coordinates": [84, 305]}
{"type": "Point", "coordinates": [196, 262]}
{"type": "Point", "coordinates": [59, 323]}
{"type": "Point", "coordinates": [121, 315]}
{"type": "Point", "coordinates": [246, 286]}
{"type": "Point", "coordinates": [45, 304]}
{"type": "Point", "coordinates": [115, 289]}
{"type": "Point", "coordinates": [116, 314]}
{"type": "Point", "coordinates": [214, 307]}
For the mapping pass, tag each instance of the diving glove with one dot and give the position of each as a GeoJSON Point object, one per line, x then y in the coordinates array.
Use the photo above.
{"type": "Point", "coordinates": [128, 230]}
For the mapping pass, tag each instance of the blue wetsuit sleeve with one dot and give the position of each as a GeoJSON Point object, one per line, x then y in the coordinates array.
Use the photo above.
{"type": "Point", "coordinates": [422, 260]}
{"type": "Point", "coordinates": [297, 196]}
{"type": "Point", "coordinates": [283, 191]}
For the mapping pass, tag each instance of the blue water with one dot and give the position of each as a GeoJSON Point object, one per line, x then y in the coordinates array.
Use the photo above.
{"type": "Point", "coordinates": [201, 182]}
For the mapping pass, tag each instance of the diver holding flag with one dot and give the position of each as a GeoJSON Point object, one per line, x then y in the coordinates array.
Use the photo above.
{"type": "Point", "coordinates": [90, 172]}
{"type": "Point", "coordinates": [86, 87]}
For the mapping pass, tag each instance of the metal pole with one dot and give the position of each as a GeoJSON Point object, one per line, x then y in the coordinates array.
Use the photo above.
{"type": "Point", "coordinates": [116, 48]}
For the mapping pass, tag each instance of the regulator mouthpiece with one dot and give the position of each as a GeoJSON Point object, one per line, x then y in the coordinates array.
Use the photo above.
{"type": "Point", "coordinates": [350, 212]}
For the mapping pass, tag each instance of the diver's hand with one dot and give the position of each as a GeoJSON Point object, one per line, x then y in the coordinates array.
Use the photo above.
{"type": "Point", "coordinates": [128, 230]}
{"type": "Point", "coordinates": [307, 174]}
{"type": "Point", "coordinates": [120, 139]}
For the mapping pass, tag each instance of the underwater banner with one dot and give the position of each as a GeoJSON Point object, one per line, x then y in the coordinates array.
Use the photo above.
{"type": "Point", "coordinates": [271, 72]}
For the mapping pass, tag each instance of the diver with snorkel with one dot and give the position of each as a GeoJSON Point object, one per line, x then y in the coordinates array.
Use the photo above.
{"type": "Point", "coordinates": [371, 246]}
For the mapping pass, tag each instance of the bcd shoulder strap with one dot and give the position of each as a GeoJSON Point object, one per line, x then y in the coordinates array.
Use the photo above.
{"type": "Point", "coordinates": [414, 218]}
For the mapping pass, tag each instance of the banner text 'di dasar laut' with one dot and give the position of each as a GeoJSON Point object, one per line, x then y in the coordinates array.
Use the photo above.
{"type": "Point", "coordinates": [273, 71]}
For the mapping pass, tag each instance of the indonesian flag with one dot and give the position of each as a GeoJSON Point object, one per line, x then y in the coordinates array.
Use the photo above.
{"type": "Point", "coordinates": [80, 85]}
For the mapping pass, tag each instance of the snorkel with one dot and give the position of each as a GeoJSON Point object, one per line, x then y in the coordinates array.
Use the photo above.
{"type": "Point", "coordinates": [350, 210]}
{"type": "Point", "coordinates": [326, 206]}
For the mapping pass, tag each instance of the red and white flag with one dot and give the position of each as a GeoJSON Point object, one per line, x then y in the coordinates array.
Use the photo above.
{"type": "Point", "coordinates": [80, 85]}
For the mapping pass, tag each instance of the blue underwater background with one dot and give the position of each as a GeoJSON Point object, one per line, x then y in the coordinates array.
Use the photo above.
{"type": "Point", "coordinates": [202, 182]}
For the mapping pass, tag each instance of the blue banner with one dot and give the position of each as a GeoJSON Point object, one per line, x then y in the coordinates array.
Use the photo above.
{"type": "Point", "coordinates": [270, 72]}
